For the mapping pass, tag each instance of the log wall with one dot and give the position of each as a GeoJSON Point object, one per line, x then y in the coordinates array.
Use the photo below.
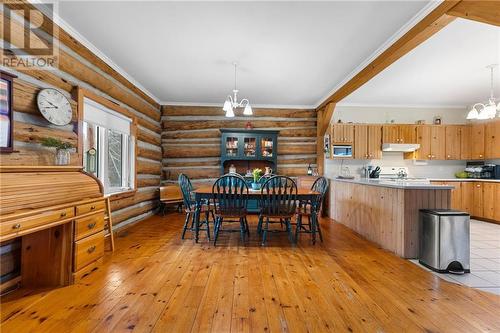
{"type": "Point", "coordinates": [191, 139]}
{"type": "Point", "coordinates": [79, 67]}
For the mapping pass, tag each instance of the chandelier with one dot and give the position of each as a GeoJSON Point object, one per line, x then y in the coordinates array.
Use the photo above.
{"type": "Point", "coordinates": [232, 103]}
{"type": "Point", "coordinates": [489, 110]}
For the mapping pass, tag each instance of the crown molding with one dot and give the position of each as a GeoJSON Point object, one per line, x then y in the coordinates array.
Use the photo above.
{"type": "Point", "coordinates": [255, 106]}
{"type": "Point", "coordinates": [402, 106]}
{"type": "Point", "coordinates": [85, 42]}
{"type": "Point", "coordinates": [433, 4]}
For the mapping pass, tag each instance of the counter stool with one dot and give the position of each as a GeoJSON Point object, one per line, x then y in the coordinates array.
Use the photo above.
{"type": "Point", "coordinates": [311, 210]}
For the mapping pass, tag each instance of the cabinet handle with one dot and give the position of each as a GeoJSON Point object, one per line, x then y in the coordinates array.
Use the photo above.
{"type": "Point", "coordinates": [91, 225]}
{"type": "Point", "coordinates": [478, 185]}
{"type": "Point", "coordinates": [429, 155]}
{"type": "Point", "coordinates": [92, 207]}
{"type": "Point", "coordinates": [63, 214]}
{"type": "Point", "coordinates": [91, 249]}
{"type": "Point", "coordinates": [16, 226]}
{"type": "Point", "coordinates": [449, 156]}
{"type": "Point", "coordinates": [480, 155]}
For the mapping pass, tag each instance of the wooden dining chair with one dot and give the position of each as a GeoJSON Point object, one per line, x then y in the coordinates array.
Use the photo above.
{"type": "Point", "coordinates": [189, 207]}
{"type": "Point", "coordinates": [311, 210]}
{"type": "Point", "coordinates": [230, 198]}
{"type": "Point", "coordinates": [278, 197]}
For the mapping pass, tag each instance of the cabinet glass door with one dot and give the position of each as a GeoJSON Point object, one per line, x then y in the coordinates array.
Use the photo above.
{"type": "Point", "coordinates": [250, 147]}
{"type": "Point", "coordinates": [267, 147]}
{"type": "Point", "coordinates": [231, 146]}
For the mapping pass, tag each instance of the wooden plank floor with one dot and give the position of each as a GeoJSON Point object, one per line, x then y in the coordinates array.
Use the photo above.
{"type": "Point", "coordinates": [155, 282]}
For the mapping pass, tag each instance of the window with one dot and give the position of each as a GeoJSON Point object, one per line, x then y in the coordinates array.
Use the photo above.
{"type": "Point", "coordinates": [108, 147]}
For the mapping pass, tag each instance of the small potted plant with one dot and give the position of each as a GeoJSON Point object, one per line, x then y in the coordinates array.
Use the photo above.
{"type": "Point", "coordinates": [256, 173]}
{"type": "Point", "coordinates": [62, 149]}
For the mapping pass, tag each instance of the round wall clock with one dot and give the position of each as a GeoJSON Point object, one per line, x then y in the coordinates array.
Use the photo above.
{"type": "Point", "coordinates": [54, 106]}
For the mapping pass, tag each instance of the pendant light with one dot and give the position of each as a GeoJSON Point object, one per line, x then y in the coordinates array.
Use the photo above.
{"type": "Point", "coordinates": [489, 110]}
{"type": "Point", "coordinates": [232, 103]}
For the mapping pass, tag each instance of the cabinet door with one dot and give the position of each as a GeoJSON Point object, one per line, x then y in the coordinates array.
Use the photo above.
{"type": "Point", "coordinates": [456, 195]}
{"type": "Point", "coordinates": [408, 133]}
{"type": "Point", "coordinates": [438, 143]}
{"type": "Point", "coordinates": [477, 142]}
{"type": "Point", "coordinates": [424, 139]}
{"type": "Point", "coordinates": [337, 133]}
{"type": "Point", "coordinates": [375, 142]}
{"type": "Point", "coordinates": [492, 140]}
{"type": "Point", "coordinates": [349, 133]}
{"type": "Point", "coordinates": [465, 142]}
{"type": "Point", "coordinates": [390, 134]}
{"type": "Point", "coordinates": [361, 142]}
{"type": "Point", "coordinates": [489, 200]}
{"type": "Point", "coordinates": [452, 142]}
{"type": "Point", "coordinates": [496, 206]}
{"type": "Point", "coordinates": [467, 196]}
{"type": "Point", "coordinates": [477, 208]}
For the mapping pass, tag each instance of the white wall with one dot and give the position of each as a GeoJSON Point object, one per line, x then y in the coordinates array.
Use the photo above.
{"type": "Point", "coordinates": [409, 115]}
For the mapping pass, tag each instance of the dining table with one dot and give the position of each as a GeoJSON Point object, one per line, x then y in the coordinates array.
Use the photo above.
{"type": "Point", "coordinates": [203, 194]}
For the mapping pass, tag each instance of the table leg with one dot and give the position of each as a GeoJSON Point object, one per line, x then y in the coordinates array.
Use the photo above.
{"type": "Point", "coordinates": [196, 219]}
{"type": "Point", "coordinates": [314, 220]}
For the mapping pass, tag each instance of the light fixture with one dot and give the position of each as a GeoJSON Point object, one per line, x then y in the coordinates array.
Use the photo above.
{"type": "Point", "coordinates": [232, 103]}
{"type": "Point", "coordinates": [486, 111]}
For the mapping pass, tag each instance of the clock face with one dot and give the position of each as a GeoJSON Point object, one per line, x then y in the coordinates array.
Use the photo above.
{"type": "Point", "coordinates": [54, 106]}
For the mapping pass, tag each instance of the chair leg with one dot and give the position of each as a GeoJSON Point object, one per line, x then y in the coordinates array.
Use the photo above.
{"type": "Point", "coordinates": [218, 222]}
{"type": "Point", "coordinates": [259, 225]}
{"type": "Point", "coordinates": [319, 229]}
{"type": "Point", "coordinates": [246, 225]}
{"type": "Point", "coordinates": [208, 225]}
{"type": "Point", "coordinates": [289, 229]}
{"type": "Point", "coordinates": [297, 227]}
{"type": "Point", "coordinates": [264, 236]}
{"type": "Point", "coordinates": [242, 229]}
{"type": "Point", "coordinates": [185, 225]}
{"type": "Point", "coordinates": [313, 228]}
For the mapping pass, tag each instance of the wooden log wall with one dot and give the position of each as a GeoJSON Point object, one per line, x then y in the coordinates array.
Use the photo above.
{"type": "Point", "coordinates": [191, 139]}
{"type": "Point", "coordinates": [79, 67]}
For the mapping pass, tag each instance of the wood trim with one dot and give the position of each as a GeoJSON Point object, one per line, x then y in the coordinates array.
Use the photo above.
{"type": "Point", "coordinates": [40, 168]}
{"type": "Point", "coordinates": [427, 27]}
{"type": "Point", "coordinates": [481, 11]}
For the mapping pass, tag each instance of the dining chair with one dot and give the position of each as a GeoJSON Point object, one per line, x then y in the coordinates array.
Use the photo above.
{"type": "Point", "coordinates": [230, 198]}
{"type": "Point", "coordinates": [311, 209]}
{"type": "Point", "coordinates": [278, 201]}
{"type": "Point", "coordinates": [189, 207]}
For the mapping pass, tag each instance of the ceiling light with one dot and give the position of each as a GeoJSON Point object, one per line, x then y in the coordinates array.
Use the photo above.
{"type": "Point", "coordinates": [486, 111]}
{"type": "Point", "coordinates": [232, 103]}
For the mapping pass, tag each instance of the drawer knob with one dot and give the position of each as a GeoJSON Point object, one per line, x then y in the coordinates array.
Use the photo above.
{"type": "Point", "coordinates": [92, 207]}
{"type": "Point", "coordinates": [63, 214]}
{"type": "Point", "coordinates": [16, 226]}
{"type": "Point", "coordinates": [91, 249]}
{"type": "Point", "coordinates": [91, 225]}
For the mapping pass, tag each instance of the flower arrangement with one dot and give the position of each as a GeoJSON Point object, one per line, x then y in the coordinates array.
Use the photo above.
{"type": "Point", "coordinates": [256, 173]}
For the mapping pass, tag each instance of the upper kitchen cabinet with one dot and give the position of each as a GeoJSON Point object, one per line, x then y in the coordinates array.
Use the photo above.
{"type": "Point", "coordinates": [432, 142]}
{"type": "Point", "coordinates": [367, 142]}
{"type": "Point", "coordinates": [477, 141]}
{"type": "Point", "coordinates": [492, 140]}
{"type": "Point", "coordinates": [342, 133]}
{"type": "Point", "coordinates": [453, 142]}
{"type": "Point", "coordinates": [465, 142]}
{"type": "Point", "coordinates": [399, 133]}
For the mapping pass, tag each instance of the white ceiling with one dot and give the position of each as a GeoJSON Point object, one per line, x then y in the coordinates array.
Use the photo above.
{"type": "Point", "coordinates": [289, 53]}
{"type": "Point", "coordinates": [449, 69]}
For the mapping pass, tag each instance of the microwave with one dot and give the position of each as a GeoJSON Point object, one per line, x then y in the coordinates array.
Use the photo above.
{"type": "Point", "coordinates": [342, 151]}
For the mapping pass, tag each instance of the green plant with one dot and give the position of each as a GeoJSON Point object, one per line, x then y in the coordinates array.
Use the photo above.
{"type": "Point", "coordinates": [257, 173]}
{"type": "Point", "coordinates": [56, 143]}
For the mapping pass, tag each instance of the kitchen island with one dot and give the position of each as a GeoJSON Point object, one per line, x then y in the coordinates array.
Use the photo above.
{"type": "Point", "coordinates": [386, 212]}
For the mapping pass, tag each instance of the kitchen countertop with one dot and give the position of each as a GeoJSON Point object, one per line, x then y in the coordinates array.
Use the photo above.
{"type": "Point", "coordinates": [399, 184]}
{"type": "Point", "coordinates": [464, 180]}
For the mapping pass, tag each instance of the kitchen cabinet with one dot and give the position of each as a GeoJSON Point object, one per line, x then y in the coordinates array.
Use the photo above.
{"type": "Point", "coordinates": [456, 194]}
{"type": "Point", "coordinates": [367, 142]}
{"type": "Point", "coordinates": [477, 199]}
{"type": "Point", "coordinates": [342, 133]}
{"type": "Point", "coordinates": [432, 142]}
{"type": "Point", "coordinates": [453, 142]}
{"type": "Point", "coordinates": [467, 196]}
{"type": "Point", "coordinates": [465, 142]}
{"type": "Point", "coordinates": [398, 133]}
{"type": "Point", "coordinates": [477, 141]}
{"type": "Point", "coordinates": [492, 140]}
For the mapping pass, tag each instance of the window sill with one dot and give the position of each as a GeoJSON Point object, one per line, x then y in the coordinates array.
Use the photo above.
{"type": "Point", "coordinates": [121, 195]}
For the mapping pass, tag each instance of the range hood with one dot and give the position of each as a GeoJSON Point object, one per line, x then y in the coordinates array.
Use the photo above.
{"type": "Point", "coordinates": [403, 147]}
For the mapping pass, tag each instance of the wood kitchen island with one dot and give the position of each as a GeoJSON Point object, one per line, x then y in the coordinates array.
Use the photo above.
{"type": "Point", "coordinates": [386, 212]}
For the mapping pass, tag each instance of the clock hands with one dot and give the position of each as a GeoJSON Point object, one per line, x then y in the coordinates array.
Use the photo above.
{"type": "Point", "coordinates": [53, 106]}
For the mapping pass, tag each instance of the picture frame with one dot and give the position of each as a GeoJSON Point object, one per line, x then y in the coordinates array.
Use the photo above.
{"type": "Point", "coordinates": [6, 112]}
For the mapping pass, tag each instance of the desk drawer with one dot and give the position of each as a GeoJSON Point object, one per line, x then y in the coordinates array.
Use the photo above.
{"type": "Point", "coordinates": [88, 250]}
{"type": "Point", "coordinates": [22, 225]}
{"type": "Point", "coordinates": [86, 226]}
{"type": "Point", "coordinates": [90, 207]}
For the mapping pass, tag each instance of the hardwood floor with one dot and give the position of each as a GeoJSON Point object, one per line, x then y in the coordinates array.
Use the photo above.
{"type": "Point", "coordinates": [156, 282]}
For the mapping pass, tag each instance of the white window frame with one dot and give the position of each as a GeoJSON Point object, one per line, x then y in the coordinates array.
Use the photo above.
{"type": "Point", "coordinates": [128, 152]}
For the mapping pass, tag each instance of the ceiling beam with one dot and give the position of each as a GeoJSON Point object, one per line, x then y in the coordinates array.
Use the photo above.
{"type": "Point", "coordinates": [423, 30]}
{"type": "Point", "coordinates": [482, 11]}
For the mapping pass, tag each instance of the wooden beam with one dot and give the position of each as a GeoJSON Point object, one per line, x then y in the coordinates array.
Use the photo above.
{"type": "Point", "coordinates": [428, 26]}
{"type": "Point", "coordinates": [482, 11]}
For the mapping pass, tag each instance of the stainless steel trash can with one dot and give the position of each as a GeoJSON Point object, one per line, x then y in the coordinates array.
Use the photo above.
{"type": "Point", "coordinates": [445, 240]}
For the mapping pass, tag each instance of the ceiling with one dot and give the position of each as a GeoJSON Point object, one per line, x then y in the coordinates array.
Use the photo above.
{"type": "Point", "coordinates": [449, 69]}
{"type": "Point", "coordinates": [289, 53]}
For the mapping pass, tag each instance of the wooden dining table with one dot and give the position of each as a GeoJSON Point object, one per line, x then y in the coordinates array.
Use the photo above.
{"type": "Point", "coordinates": [204, 193]}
